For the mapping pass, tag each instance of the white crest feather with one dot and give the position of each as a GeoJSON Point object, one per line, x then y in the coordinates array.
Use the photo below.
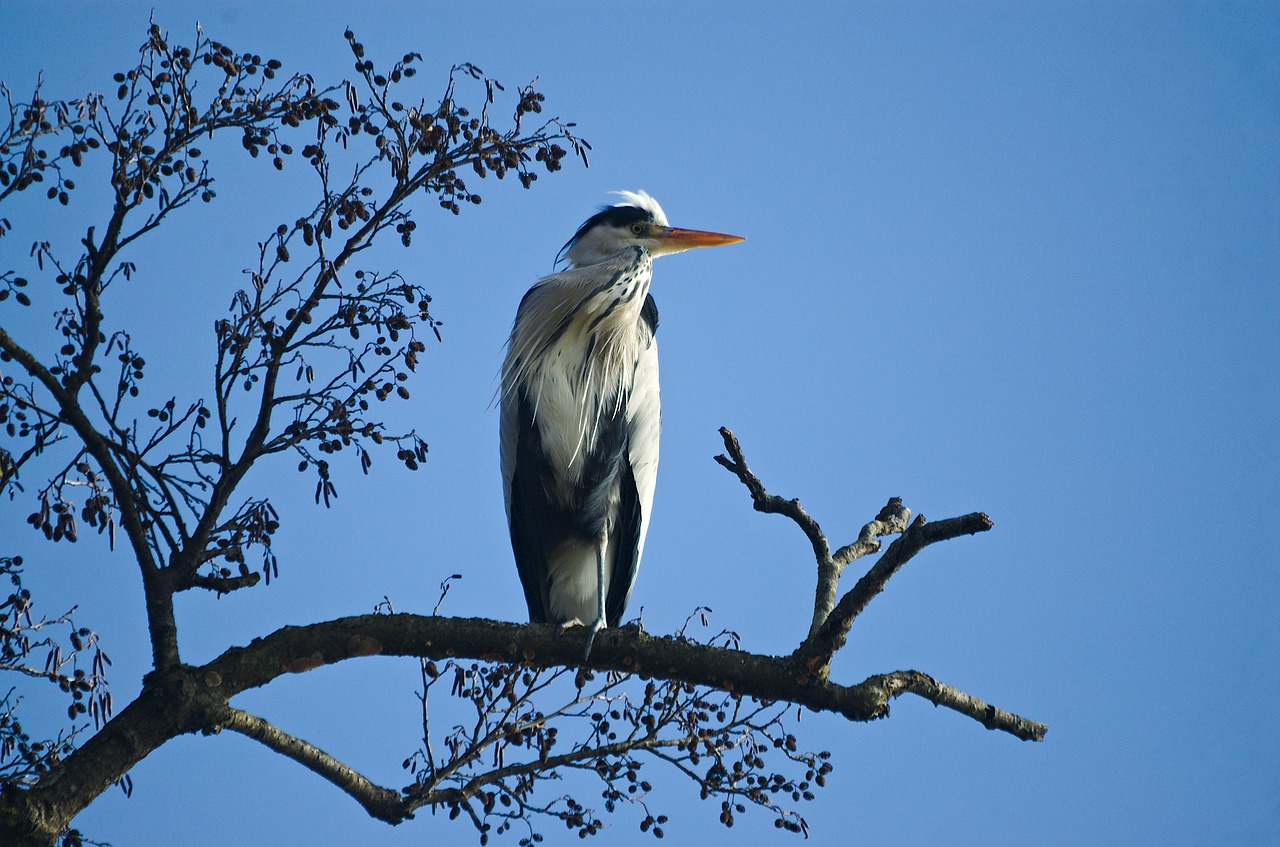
{"type": "Point", "coordinates": [642, 200]}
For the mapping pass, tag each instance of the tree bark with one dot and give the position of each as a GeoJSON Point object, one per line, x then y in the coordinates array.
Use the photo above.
{"type": "Point", "coordinates": [194, 699]}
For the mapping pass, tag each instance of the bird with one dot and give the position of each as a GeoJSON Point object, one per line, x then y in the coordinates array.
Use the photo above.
{"type": "Point", "coordinates": [580, 415]}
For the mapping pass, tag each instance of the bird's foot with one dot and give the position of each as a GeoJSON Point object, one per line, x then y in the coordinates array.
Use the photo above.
{"type": "Point", "coordinates": [571, 623]}
{"type": "Point", "coordinates": [595, 626]}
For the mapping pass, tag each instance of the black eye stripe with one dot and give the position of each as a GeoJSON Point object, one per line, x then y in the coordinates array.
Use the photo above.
{"type": "Point", "coordinates": [618, 216]}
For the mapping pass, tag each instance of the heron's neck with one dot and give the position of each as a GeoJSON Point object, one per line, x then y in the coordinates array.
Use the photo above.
{"type": "Point", "coordinates": [594, 248]}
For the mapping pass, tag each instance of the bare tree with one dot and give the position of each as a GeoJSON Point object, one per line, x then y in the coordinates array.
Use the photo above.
{"type": "Point", "coordinates": [308, 351]}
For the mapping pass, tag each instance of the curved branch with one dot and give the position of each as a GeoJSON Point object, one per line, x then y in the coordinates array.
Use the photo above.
{"type": "Point", "coordinates": [381, 803]}
{"type": "Point", "coordinates": [891, 520]}
{"type": "Point", "coordinates": [772, 504]}
{"type": "Point", "coordinates": [184, 699]}
{"type": "Point", "coordinates": [624, 649]}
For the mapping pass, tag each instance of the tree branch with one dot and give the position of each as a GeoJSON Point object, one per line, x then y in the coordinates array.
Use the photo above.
{"type": "Point", "coordinates": [829, 628]}
{"type": "Point", "coordinates": [217, 584]}
{"type": "Point", "coordinates": [923, 685]}
{"type": "Point", "coordinates": [817, 650]}
{"type": "Point", "coordinates": [381, 803]}
{"type": "Point", "coordinates": [159, 601]}
{"type": "Point", "coordinates": [185, 699]}
{"type": "Point", "coordinates": [891, 520]}
{"type": "Point", "coordinates": [768, 503]}
{"type": "Point", "coordinates": [623, 649]}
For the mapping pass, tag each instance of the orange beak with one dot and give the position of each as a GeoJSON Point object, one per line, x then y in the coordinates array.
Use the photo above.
{"type": "Point", "coordinates": [684, 239]}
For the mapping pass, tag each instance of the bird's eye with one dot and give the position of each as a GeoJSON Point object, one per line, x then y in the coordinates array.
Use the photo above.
{"type": "Point", "coordinates": [637, 229]}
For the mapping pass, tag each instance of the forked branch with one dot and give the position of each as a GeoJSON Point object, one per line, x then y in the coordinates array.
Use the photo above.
{"type": "Point", "coordinates": [831, 622]}
{"type": "Point", "coordinates": [816, 652]}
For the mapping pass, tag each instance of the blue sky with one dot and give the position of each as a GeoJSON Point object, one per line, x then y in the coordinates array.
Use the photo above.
{"type": "Point", "coordinates": [1013, 258]}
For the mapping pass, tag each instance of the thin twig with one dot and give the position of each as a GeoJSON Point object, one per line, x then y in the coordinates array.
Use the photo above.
{"type": "Point", "coordinates": [768, 503]}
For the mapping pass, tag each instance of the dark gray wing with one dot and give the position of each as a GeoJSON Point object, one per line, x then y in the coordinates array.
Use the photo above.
{"type": "Point", "coordinates": [537, 527]}
{"type": "Point", "coordinates": [638, 472]}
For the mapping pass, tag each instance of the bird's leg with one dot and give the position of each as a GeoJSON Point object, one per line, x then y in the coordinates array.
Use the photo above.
{"type": "Point", "coordinates": [599, 623]}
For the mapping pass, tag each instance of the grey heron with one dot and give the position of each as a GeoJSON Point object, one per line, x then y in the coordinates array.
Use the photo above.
{"type": "Point", "coordinates": [580, 415]}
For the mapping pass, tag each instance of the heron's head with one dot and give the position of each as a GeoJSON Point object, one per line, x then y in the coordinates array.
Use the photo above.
{"type": "Point", "coordinates": [637, 221]}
